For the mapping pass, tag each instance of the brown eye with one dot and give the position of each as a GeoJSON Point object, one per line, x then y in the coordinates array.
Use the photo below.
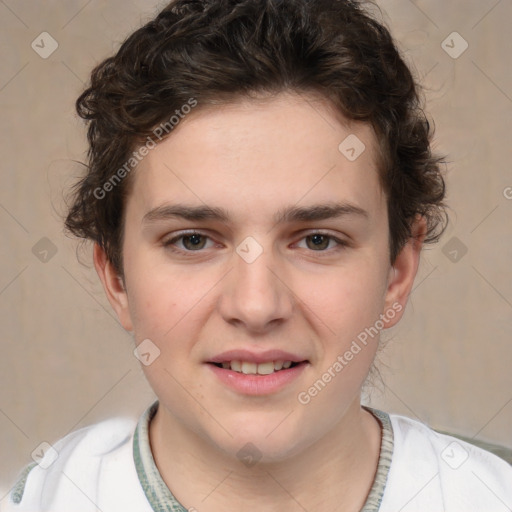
{"type": "Point", "coordinates": [323, 243]}
{"type": "Point", "coordinates": [188, 242]}
{"type": "Point", "coordinates": [194, 242]}
{"type": "Point", "coordinates": [318, 242]}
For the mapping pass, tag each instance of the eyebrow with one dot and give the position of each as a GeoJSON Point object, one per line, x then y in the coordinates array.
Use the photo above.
{"type": "Point", "coordinates": [290, 214]}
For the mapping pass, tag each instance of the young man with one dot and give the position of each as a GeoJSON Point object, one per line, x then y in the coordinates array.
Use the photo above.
{"type": "Point", "coordinates": [259, 189]}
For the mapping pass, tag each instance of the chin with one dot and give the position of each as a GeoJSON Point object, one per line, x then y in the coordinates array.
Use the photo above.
{"type": "Point", "coordinates": [264, 441]}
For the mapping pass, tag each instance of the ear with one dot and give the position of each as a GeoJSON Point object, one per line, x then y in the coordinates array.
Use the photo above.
{"type": "Point", "coordinates": [403, 271]}
{"type": "Point", "coordinates": [113, 285]}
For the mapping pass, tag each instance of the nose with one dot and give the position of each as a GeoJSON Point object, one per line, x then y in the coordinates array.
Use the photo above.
{"type": "Point", "coordinates": [255, 294]}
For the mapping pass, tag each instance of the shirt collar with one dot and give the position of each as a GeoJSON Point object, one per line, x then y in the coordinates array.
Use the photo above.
{"type": "Point", "coordinates": [161, 498]}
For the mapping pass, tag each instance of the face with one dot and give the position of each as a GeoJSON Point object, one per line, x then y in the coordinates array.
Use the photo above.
{"type": "Point", "coordinates": [253, 243]}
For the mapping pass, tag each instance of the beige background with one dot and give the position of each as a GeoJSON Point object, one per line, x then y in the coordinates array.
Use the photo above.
{"type": "Point", "coordinates": [65, 362]}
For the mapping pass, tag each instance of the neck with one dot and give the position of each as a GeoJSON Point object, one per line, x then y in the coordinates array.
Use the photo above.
{"type": "Point", "coordinates": [335, 473]}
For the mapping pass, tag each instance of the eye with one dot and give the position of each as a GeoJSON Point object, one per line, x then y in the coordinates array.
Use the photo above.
{"type": "Point", "coordinates": [321, 241]}
{"type": "Point", "coordinates": [195, 242]}
{"type": "Point", "coordinates": [190, 242]}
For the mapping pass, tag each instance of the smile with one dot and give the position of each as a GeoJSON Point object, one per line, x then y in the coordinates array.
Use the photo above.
{"type": "Point", "coordinates": [250, 368]}
{"type": "Point", "coordinates": [257, 378]}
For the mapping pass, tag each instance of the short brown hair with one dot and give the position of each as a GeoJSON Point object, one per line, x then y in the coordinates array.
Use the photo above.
{"type": "Point", "coordinates": [220, 50]}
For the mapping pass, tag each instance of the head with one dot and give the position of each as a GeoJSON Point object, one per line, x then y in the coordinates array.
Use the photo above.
{"type": "Point", "coordinates": [291, 139]}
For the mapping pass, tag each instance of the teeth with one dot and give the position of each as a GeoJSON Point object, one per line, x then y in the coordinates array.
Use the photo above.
{"type": "Point", "coordinates": [266, 368]}
{"type": "Point", "coordinates": [248, 368]}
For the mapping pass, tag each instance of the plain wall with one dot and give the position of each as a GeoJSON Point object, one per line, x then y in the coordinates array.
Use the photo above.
{"type": "Point", "coordinates": [66, 363]}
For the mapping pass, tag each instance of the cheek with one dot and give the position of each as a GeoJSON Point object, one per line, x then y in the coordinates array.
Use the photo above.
{"type": "Point", "coordinates": [347, 306]}
{"type": "Point", "coordinates": [166, 308]}
{"type": "Point", "coordinates": [161, 297]}
{"type": "Point", "coordinates": [346, 299]}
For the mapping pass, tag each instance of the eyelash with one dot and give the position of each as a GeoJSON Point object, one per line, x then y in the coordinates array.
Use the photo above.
{"type": "Point", "coordinates": [168, 244]}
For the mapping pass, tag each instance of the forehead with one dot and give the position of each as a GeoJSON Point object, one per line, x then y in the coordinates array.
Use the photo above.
{"type": "Point", "coordinates": [253, 155]}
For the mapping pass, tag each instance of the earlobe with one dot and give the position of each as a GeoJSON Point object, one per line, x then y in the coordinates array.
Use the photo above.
{"type": "Point", "coordinates": [403, 271]}
{"type": "Point", "coordinates": [113, 286]}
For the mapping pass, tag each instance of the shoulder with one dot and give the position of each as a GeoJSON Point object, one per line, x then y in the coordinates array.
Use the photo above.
{"type": "Point", "coordinates": [69, 470]}
{"type": "Point", "coordinates": [433, 471]}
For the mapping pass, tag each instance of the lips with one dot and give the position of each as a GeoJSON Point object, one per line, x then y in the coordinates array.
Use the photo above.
{"type": "Point", "coordinates": [256, 357]}
{"type": "Point", "coordinates": [252, 378]}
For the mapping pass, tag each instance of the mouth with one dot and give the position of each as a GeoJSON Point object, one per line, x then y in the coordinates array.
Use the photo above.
{"type": "Point", "coordinates": [248, 372]}
{"type": "Point", "coordinates": [251, 368]}
{"type": "Point", "coordinates": [257, 379]}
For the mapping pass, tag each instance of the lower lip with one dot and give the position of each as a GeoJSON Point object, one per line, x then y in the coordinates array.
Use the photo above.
{"type": "Point", "coordinates": [258, 384]}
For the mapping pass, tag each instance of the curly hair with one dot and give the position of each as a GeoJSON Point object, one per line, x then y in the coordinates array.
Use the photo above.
{"type": "Point", "coordinates": [214, 51]}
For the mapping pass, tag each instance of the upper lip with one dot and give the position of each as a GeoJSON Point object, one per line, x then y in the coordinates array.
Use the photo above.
{"type": "Point", "coordinates": [256, 357]}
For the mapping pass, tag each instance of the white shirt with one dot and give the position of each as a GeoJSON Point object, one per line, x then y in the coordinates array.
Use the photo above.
{"type": "Point", "coordinates": [109, 466]}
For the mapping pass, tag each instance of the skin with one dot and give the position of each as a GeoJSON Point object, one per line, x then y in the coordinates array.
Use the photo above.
{"type": "Point", "coordinates": [254, 158]}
